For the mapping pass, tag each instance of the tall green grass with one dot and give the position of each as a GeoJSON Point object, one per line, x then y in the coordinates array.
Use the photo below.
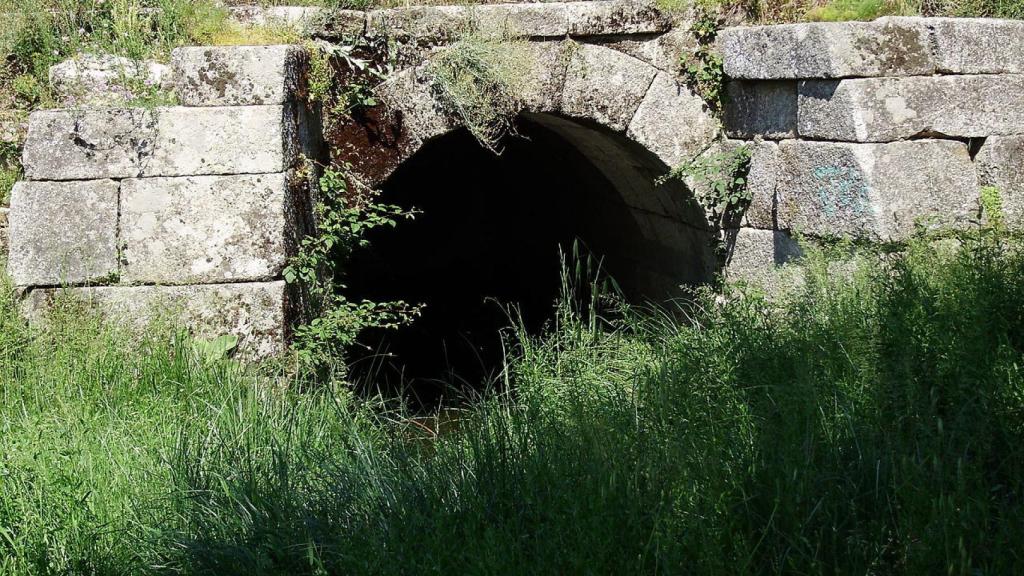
{"type": "Point", "coordinates": [868, 421]}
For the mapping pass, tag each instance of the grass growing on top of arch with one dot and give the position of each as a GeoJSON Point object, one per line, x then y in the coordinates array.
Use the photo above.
{"type": "Point", "coordinates": [482, 80]}
{"type": "Point", "coordinates": [868, 421]}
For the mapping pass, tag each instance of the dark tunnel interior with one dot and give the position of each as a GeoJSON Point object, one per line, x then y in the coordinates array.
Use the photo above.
{"type": "Point", "coordinates": [493, 231]}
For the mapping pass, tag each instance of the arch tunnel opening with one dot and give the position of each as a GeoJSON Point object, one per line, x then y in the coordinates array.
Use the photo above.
{"type": "Point", "coordinates": [493, 232]}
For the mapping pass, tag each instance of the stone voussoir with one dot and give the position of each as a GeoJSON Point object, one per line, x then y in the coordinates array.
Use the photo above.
{"type": "Point", "coordinates": [238, 75]}
{"type": "Point", "coordinates": [206, 229]}
{"type": "Point", "coordinates": [255, 312]}
{"type": "Point", "coordinates": [884, 47]}
{"type": "Point", "coordinates": [888, 109]}
{"type": "Point", "coordinates": [605, 86]}
{"type": "Point", "coordinates": [176, 141]}
{"type": "Point", "coordinates": [63, 232]}
{"type": "Point", "coordinates": [1001, 164]}
{"type": "Point", "coordinates": [875, 192]}
{"type": "Point", "coordinates": [672, 122]}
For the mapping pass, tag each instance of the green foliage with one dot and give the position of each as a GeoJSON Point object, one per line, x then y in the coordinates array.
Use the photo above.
{"type": "Point", "coordinates": [10, 170]}
{"type": "Point", "coordinates": [40, 33]}
{"type": "Point", "coordinates": [719, 180]}
{"type": "Point", "coordinates": [869, 420]}
{"type": "Point", "coordinates": [842, 10]}
{"type": "Point", "coordinates": [992, 206]}
{"type": "Point", "coordinates": [482, 80]}
{"type": "Point", "coordinates": [213, 350]}
{"type": "Point", "coordinates": [703, 69]}
{"type": "Point", "coordinates": [344, 213]}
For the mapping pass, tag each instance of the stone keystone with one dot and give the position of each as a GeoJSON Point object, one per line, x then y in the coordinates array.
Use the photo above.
{"type": "Point", "coordinates": [887, 109]}
{"type": "Point", "coordinates": [885, 47]}
{"type": "Point", "coordinates": [238, 75]}
{"type": "Point", "coordinates": [63, 232]}
{"type": "Point", "coordinates": [605, 86]}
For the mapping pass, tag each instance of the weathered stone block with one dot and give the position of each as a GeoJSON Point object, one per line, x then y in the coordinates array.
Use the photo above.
{"type": "Point", "coordinates": [978, 45]}
{"type": "Point", "coordinates": [616, 17]}
{"type": "Point", "coordinates": [238, 75]}
{"type": "Point", "coordinates": [421, 24]}
{"type": "Point", "coordinates": [228, 140]}
{"type": "Point", "coordinates": [605, 86]}
{"type": "Point", "coordinates": [672, 122]}
{"type": "Point", "coordinates": [541, 20]}
{"type": "Point", "coordinates": [255, 312]}
{"type": "Point", "coordinates": [875, 191]}
{"type": "Point", "coordinates": [544, 88]}
{"type": "Point", "coordinates": [327, 23]}
{"type": "Point", "coordinates": [101, 80]}
{"type": "Point", "coordinates": [885, 47]}
{"type": "Point", "coordinates": [766, 109]}
{"type": "Point", "coordinates": [887, 109]}
{"type": "Point", "coordinates": [206, 229]}
{"type": "Point", "coordinates": [63, 232]}
{"type": "Point", "coordinates": [753, 255]}
{"type": "Point", "coordinates": [177, 141]}
{"type": "Point", "coordinates": [1001, 164]}
{"type": "Point", "coordinates": [438, 24]}
{"type": "Point", "coordinates": [88, 144]}
{"type": "Point", "coordinates": [664, 52]}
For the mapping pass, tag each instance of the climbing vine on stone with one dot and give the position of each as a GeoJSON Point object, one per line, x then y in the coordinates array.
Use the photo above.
{"type": "Point", "coordinates": [719, 180]}
{"type": "Point", "coordinates": [703, 69]}
{"type": "Point", "coordinates": [343, 214]}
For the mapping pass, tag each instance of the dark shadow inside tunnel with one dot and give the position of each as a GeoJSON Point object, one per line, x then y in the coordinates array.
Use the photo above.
{"type": "Point", "coordinates": [492, 233]}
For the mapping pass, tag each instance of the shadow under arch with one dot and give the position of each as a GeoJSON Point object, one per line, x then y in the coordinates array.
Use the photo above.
{"type": "Point", "coordinates": [493, 230]}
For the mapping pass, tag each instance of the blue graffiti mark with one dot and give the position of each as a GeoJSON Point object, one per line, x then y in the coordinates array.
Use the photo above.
{"type": "Point", "coordinates": [842, 189]}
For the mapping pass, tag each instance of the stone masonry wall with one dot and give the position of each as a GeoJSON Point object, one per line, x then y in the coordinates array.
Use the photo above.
{"type": "Point", "coordinates": [863, 130]}
{"type": "Point", "coordinates": [867, 130]}
{"type": "Point", "coordinates": [190, 209]}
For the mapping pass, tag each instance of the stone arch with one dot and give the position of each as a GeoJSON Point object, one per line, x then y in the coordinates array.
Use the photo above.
{"type": "Point", "coordinates": [631, 120]}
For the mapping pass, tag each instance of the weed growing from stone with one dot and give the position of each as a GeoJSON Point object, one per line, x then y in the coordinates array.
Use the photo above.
{"type": "Point", "coordinates": [482, 80]}
{"type": "Point", "coordinates": [718, 179]}
{"type": "Point", "coordinates": [343, 214]}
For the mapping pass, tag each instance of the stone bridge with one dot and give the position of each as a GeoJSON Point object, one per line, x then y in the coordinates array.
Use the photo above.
{"type": "Point", "coordinates": [863, 130]}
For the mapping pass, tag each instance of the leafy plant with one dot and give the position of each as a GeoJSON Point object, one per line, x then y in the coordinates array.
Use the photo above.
{"type": "Point", "coordinates": [343, 214]}
{"type": "Point", "coordinates": [719, 180]}
{"type": "Point", "coordinates": [216, 349]}
{"type": "Point", "coordinates": [992, 206]}
{"type": "Point", "coordinates": [703, 69]}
